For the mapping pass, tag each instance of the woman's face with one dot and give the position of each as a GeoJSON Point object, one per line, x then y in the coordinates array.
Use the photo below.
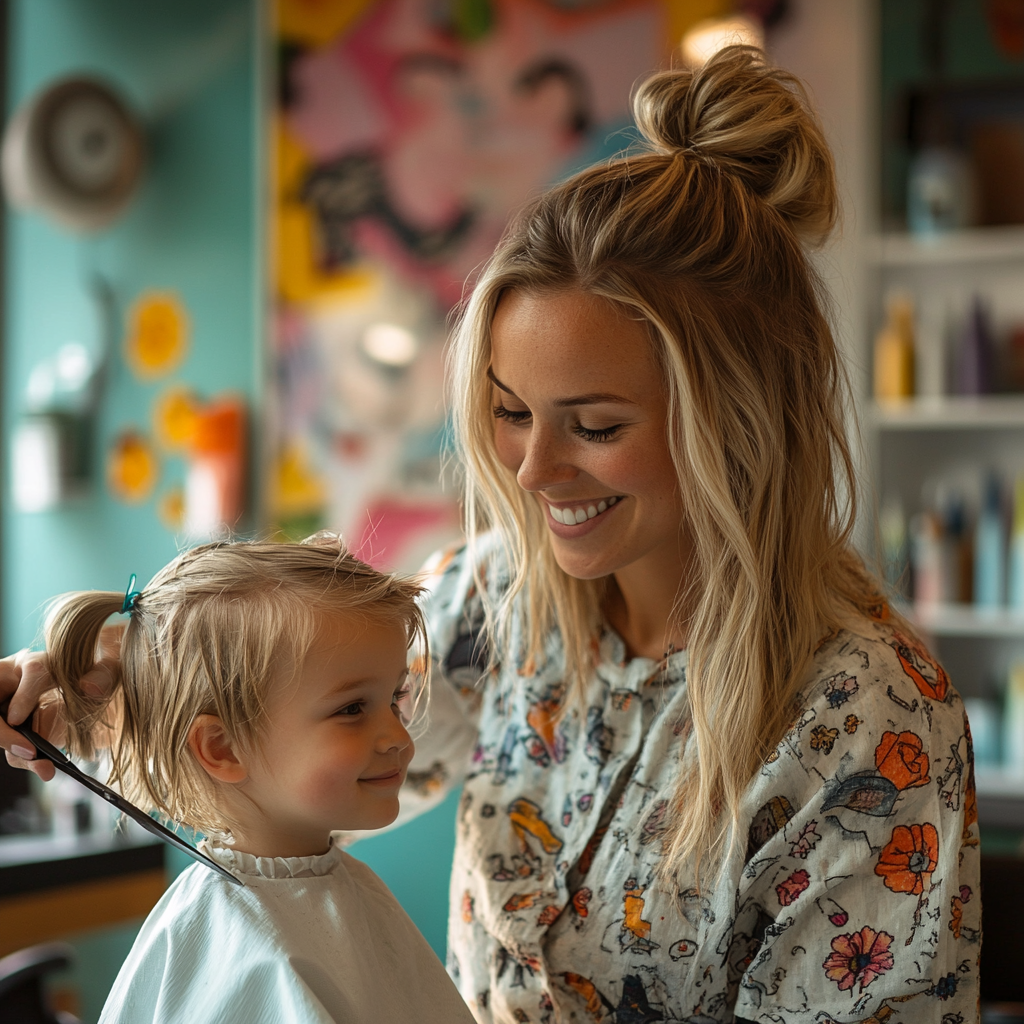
{"type": "Point", "coordinates": [580, 411]}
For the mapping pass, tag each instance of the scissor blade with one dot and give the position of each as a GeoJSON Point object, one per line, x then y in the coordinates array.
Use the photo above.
{"type": "Point", "coordinates": [68, 767]}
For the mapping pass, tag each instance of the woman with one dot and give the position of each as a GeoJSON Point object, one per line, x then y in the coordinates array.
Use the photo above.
{"type": "Point", "coordinates": [703, 755]}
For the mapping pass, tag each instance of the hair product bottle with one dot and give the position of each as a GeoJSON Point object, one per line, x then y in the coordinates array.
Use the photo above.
{"type": "Point", "coordinates": [894, 352]}
{"type": "Point", "coordinates": [990, 548]}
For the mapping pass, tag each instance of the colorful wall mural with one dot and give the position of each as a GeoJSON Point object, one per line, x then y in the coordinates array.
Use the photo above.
{"type": "Point", "coordinates": [407, 132]}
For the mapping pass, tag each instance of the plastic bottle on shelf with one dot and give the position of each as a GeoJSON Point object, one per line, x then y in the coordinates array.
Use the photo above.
{"type": "Point", "coordinates": [985, 718]}
{"type": "Point", "coordinates": [940, 192]}
{"type": "Point", "coordinates": [990, 548]}
{"type": "Point", "coordinates": [894, 351]}
{"type": "Point", "coordinates": [1015, 595]}
{"type": "Point", "coordinates": [926, 556]}
{"type": "Point", "coordinates": [895, 554]}
{"type": "Point", "coordinates": [1013, 721]}
{"type": "Point", "coordinates": [975, 356]}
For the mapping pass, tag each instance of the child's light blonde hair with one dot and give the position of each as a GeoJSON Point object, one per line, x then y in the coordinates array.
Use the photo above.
{"type": "Point", "coordinates": [208, 634]}
{"type": "Point", "coordinates": [702, 236]}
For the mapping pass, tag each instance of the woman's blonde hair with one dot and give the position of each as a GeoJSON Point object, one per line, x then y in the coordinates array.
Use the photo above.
{"type": "Point", "coordinates": [702, 235]}
{"type": "Point", "coordinates": [208, 634]}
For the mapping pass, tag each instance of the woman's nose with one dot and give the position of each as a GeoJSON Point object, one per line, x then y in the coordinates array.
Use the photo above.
{"type": "Point", "coordinates": [544, 462]}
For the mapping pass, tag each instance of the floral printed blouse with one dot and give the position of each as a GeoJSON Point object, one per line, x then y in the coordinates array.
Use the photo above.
{"type": "Point", "coordinates": [852, 895]}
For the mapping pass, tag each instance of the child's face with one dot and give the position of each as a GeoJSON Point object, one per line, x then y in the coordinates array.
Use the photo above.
{"type": "Point", "coordinates": [335, 750]}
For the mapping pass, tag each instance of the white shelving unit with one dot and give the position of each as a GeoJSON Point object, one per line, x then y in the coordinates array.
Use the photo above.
{"type": "Point", "coordinates": [954, 440]}
{"type": "Point", "coordinates": [950, 412]}
{"type": "Point", "coordinates": [974, 246]}
{"type": "Point", "coordinates": [964, 620]}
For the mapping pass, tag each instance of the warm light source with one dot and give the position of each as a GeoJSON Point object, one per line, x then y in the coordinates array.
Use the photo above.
{"type": "Point", "coordinates": [390, 344]}
{"type": "Point", "coordinates": [707, 37]}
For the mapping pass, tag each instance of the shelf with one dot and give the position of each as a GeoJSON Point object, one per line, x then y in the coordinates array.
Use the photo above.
{"type": "Point", "coordinates": [966, 620]}
{"type": "Point", "coordinates": [949, 412]}
{"type": "Point", "coordinates": [975, 245]}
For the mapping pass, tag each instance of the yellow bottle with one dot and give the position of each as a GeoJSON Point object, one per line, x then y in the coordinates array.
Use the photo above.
{"type": "Point", "coordinates": [894, 352]}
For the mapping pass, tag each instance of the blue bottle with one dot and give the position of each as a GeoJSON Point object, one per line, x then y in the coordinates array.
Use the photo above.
{"type": "Point", "coordinates": [990, 549]}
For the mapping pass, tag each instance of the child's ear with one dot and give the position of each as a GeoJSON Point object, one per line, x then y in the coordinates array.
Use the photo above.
{"type": "Point", "coordinates": [214, 750]}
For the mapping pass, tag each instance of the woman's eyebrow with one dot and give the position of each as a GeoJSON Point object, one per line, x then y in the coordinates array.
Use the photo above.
{"type": "Point", "coordinates": [497, 383]}
{"type": "Point", "coordinates": [592, 398]}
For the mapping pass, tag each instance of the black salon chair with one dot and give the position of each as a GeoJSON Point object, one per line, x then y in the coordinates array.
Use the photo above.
{"type": "Point", "coordinates": [22, 995]}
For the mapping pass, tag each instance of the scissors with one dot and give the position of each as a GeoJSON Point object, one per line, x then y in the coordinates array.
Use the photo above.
{"type": "Point", "coordinates": [47, 750]}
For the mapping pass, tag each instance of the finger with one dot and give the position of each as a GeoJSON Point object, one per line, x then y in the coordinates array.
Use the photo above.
{"type": "Point", "coordinates": [43, 768]}
{"type": "Point", "coordinates": [11, 739]}
{"type": "Point", "coordinates": [35, 681]}
{"type": "Point", "coordinates": [100, 680]}
{"type": "Point", "coordinates": [108, 647]}
{"type": "Point", "coordinates": [10, 675]}
{"type": "Point", "coordinates": [49, 722]}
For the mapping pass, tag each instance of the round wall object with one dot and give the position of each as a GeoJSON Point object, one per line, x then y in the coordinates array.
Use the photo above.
{"type": "Point", "coordinates": [75, 152]}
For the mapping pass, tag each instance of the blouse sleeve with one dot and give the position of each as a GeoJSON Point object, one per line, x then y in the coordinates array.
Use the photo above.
{"type": "Point", "coordinates": [447, 736]}
{"type": "Point", "coordinates": [861, 885]}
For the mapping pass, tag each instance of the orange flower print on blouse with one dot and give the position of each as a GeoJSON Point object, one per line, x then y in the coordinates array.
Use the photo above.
{"type": "Point", "coordinates": [860, 957]}
{"type": "Point", "coordinates": [956, 907]}
{"type": "Point", "coordinates": [902, 760]}
{"type": "Point", "coordinates": [929, 676]}
{"type": "Point", "coordinates": [908, 860]}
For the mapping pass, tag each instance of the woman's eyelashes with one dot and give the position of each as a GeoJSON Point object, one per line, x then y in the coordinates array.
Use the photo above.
{"type": "Point", "coordinates": [604, 434]}
{"type": "Point", "coordinates": [519, 416]}
{"type": "Point", "coordinates": [512, 415]}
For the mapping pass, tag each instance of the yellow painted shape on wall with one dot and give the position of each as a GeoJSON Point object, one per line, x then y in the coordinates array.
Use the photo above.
{"type": "Point", "coordinates": [174, 418]}
{"type": "Point", "coordinates": [157, 337]}
{"type": "Point", "coordinates": [292, 162]}
{"type": "Point", "coordinates": [170, 509]}
{"type": "Point", "coordinates": [684, 14]}
{"type": "Point", "coordinates": [297, 489]}
{"type": "Point", "coordinates": [317, 22]}
{"type": "Point", "coordinates": [299, 279]}
{"type": "Point", "coordinates": [132, 468]}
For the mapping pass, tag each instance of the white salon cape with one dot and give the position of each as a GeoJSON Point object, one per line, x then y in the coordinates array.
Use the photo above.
{"type": "Point", "coordinates": [308, 940]}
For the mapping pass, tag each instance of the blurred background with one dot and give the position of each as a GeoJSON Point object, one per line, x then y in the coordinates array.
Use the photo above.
{"type": "Point", "coordinates": [235, 231]}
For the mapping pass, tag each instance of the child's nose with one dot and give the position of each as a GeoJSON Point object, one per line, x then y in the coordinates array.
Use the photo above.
{"type": "Point", "coordinates": [394, 736]}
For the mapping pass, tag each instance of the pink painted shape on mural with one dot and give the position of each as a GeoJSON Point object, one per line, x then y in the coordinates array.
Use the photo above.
{"type": "Point", "coordinates": [451, 128]}
{"type": "Point", "coordinates": [394, 525]}
{"type": "Point", "coordinates": [335, 113]}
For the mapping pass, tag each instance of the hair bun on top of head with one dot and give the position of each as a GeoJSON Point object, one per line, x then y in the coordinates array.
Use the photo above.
{"type": "Point", "coordinates": [743, 116]}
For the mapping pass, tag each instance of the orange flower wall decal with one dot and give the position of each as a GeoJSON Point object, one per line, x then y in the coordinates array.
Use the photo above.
{"type": "Point", "coordinates": [908, 860]}
{"type": "Point", "coordinates": [902, 760]}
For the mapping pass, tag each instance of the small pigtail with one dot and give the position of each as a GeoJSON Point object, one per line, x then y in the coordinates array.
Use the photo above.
{"type": "Point", "coordinates": [73, 624]}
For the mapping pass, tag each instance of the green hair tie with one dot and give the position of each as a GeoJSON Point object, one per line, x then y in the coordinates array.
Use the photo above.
{"type": "Point", "coordinates": [131, 596]}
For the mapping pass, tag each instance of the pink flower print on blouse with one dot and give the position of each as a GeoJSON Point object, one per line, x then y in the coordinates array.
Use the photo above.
{"type": "Point", "coordinates": [859, 957]}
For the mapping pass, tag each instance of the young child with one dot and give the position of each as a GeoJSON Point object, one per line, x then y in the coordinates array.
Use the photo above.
{"type": "Point", "coordinates": [260, 703]}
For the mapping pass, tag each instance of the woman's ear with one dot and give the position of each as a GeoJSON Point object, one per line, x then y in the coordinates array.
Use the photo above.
{"type": "Point", "coordinates": [215, 751]}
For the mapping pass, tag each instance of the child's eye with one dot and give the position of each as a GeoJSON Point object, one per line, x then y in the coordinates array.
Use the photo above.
{"type": "Point", "coordinates": [401, 694]}
{"type": "Point", "coordinates": [350, 710]}
{"type": "Point", "coordinates": [512, 415]}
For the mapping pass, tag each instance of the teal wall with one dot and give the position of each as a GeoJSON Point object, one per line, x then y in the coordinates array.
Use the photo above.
{"type": "Point", "coordinates": [197, 69]}
{"type": "Point", "coordinates": [195, 228]}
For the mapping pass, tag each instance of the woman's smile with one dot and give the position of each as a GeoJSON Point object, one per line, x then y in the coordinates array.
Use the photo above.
{"type": "Point", "coordinates": [579, 513]}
